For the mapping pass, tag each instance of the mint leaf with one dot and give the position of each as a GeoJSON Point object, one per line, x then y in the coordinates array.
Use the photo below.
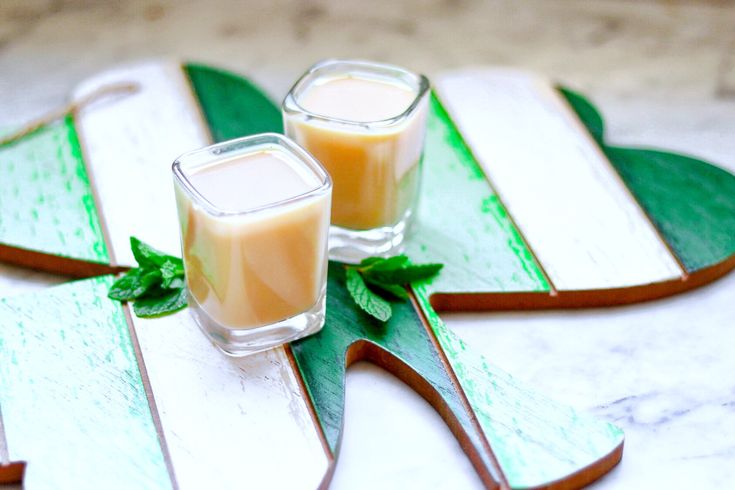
{"type": "Point", "coordinates": [172, 273]}
{"type": "Point", "coordinates": [370, 261]}
{"type": "Point", "coordinates": [149, 257]}
{"type": "Point", "coordinates": [153, 306]}
{"type": "Point", "coordinates": [134, 284]}
{"type": "Point", "coordinates": [376, 279]}
{"type": "Point", "coordinates": [370, 302]}
{"type": "Point", "coordinates": [157, 286]}
{"type": "Point", "coordinates": [393, 290]}
{"type": "Point", "coordinates": [174, 283]}
{"type": "Point", "coordinates": [381, 264]}
{"type": "Point", "coordinates": [403, 275]}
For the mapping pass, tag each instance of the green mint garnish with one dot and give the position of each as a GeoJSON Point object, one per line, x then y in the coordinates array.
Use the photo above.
{"type": "Point", "coordinates": [170, 301]}
{"type": "Point", "coordinates": [157, 285]}
{"type": "Point", "coordinates": [376, 280]}
{"type": "Point", "coordinates": [365, 298]}
{"type": "Point", "coordinates": [158, 288]}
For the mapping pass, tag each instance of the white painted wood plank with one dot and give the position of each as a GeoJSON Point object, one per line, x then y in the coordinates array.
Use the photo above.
{"type": "Point", "coordinates": [73, 401]}
{"type": "Point", "coordinates": [576, 214]}
{"type": "Point", "coordinates": [229, 423]}
{"type": "Point", "coordinates": [130, 142]}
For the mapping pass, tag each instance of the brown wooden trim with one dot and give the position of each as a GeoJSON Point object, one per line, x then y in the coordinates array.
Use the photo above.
{"type": "Point", "coordinates": [500, 198]}
{"type": "Point", "coordinates": [487, 478]}
{"type": "Point", "coordinates": [364, 350]}
{"type": "Point", "coordinates": [593, 298]}
{"type": "Point", "coordinates": [600, 147]}
{"type": "Point", "coordinates": [327, 478]}
{"type": "Point", "coordinates": [4, 452]}
{"type": "Point", "coordinates": [578, 479]}
{"type": "Point", "coordinates": [149, 396]}
{"type": "Point", "coordinates": [12, 473]}
{"type": "Point", "coordinates": [588, 474]}
{"type": "Point", "coordinates": [55, 264]}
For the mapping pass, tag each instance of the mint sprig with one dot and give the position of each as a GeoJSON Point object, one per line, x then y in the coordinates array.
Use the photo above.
{"type": "Point", "coordinates": [375, 281]}
{"type": "Point", "coordinates": [157, 285]}
{"type": "Point", "coordinates": [158, 288]}
{"type": "Point", "coordinates": [365, 298]}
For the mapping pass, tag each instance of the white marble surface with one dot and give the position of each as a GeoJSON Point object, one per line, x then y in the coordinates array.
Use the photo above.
{"type": "Point", "coordinates": [663, 73]}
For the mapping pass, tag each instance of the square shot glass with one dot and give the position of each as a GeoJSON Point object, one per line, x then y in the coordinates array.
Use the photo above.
{"type": "Point", "coordinates": [366, 123]}
{"type": "Point", "coordinates": [254, 215]}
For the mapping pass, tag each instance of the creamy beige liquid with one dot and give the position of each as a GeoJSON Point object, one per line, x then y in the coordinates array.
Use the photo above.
{"type": "Point", "coordinates": [374, 170]}
{"type": "Point", "coordinates": [251, 270]}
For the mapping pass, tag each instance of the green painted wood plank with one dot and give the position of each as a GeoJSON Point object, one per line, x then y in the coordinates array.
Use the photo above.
{"type": "Point", "coordinates": [463, 224]}
{"type": "Point", "coordinates": [321, 357]}
{"type": "Point", "coordinates": [535, 439]}
{"type": "Point", "coordinates": [691, 202]}
{"type": "Point", "coordinates": [232, 105]}
{"type": "Point", "coordinates": [71, 394]}
{"type": "Point", "coordinates": [460, 222]}
{"type": "Point", "coordinates": [587, 113]}
{"type": "Point", "coordinates": [46, 202]}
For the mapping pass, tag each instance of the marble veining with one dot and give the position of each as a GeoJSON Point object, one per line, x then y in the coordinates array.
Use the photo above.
{"type": "Point", "coordinates": [662, 72]}
{"type": "Point", "coordinates": [660, 371]}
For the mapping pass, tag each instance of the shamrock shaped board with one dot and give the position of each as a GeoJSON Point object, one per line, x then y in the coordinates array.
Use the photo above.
{"type": "Point", "coordinates": [522, 200]}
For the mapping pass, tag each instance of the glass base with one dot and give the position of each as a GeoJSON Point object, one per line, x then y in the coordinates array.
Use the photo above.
{"type": "Point", "coordinates": [352, 246]}
{"type": "Point", "coordinates": [238, 342]}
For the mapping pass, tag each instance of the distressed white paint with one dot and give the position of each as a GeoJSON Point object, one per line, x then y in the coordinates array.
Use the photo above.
{"type": "Point", "coordinates": [73, 404]}
{"type": "Point", "coordinates": [130, 142]}
{"type": "Point", "coordinates": [655, 99]}
{"type": "Point", "coordinates": [576, 214]}
{"type": "Point", "coordinates": [228, 423]}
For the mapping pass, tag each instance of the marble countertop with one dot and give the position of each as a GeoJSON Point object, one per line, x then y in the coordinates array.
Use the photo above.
{"type": "Point", "coordinates": [663, 74]}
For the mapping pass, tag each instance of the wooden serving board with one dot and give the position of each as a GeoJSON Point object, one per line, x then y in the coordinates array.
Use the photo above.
{"type": "Point", "coordinates": [522, 199]}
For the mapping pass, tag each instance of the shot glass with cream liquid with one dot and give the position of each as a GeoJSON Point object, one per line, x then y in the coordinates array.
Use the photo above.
{"type": "Point", "coordinates": [365, 122]}
{"type": "Point", "coordinates": [254, 215]}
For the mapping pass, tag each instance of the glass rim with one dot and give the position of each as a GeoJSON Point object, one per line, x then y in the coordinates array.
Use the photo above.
{"type": "Point", "coordinates": [291, 105]}
{"type": "Point", "coordinates": [257, 142]}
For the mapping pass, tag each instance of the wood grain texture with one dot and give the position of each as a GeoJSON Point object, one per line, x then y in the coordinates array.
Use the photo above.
{"type": "Point", "coordinates": [461, 221]}
{"type": "Point", "coordinates": [691, 203]}
{"type": "Point", "coordinates": [232, 106]}
{"type": "Point", "coordinates": [130, 142]}
{"type": "Point", "coordinates": [12, 474]}
{"type": "Point", "coordinates": [46, 203]}
{"type": "Point", "coordinates": [229, 422]}
{"type": "Point", "coordinates": [403, 347]}
{"type": "Point", "coordinates": [225, 419]}
{"type": "Point", "coordinates": [688, 200]}
{"type": "Point", "coordinates": [71, 394]}
{"type": "Point", "coordinates": [462, 224]}
{"type": "Point", "coordinates": [538, 442]}
{"type": "Point", "coordinates": [581, 222]}
{"type": "Point", "coordinates": [485, 239]}
{"type": "Point", "coordinates": [254, 408]}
